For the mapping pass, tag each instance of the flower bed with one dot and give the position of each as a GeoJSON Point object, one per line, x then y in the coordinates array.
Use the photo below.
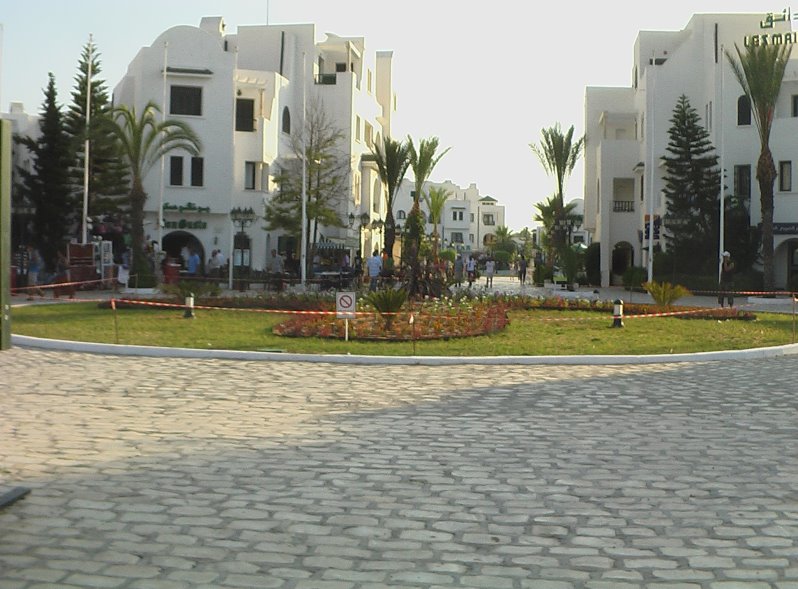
{"type": "Point", "coordinates": [438, 319]}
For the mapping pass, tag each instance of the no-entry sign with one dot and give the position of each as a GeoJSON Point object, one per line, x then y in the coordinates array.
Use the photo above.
{"type": "Point", "coordinates": [345, 305]}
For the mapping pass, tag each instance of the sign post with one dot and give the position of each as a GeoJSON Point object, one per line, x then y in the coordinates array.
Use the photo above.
{"type": "Point", "coordinates": [5, 235]}
{"type": "Point", "coordinates": [345, 309]}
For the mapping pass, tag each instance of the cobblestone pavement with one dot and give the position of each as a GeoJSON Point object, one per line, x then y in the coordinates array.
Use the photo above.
{"type": "Point", "coordinates": [167, 474]}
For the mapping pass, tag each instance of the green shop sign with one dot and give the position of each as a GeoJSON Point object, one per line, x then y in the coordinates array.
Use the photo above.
{"type": "Point", "coordinates": [185, 224]}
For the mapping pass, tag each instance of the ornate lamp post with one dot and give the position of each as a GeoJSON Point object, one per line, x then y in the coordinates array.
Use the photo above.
{"type": "Point", "coordinates": [240, 243]}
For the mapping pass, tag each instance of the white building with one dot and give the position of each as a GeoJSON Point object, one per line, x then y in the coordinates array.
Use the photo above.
{"type": "Point", "coordinates": [469, 220]}
{"type": "Point", "coordinates": [245, 95]}
{"type": "Point", "coordinates": [627, 135]}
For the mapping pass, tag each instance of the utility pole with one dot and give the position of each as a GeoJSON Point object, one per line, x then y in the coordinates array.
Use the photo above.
{"type": "Point", "coordinates": [5, 234]}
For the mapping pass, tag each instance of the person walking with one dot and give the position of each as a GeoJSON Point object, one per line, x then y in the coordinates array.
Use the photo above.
{"type": "Point", "coordinates": [374, 265]}
{"type": "Point", "coordinates": [726, 286]}
{"type": "Point", "coordinates": [471, 269]}
{"type": "Point", "coordinates": [458, 270]}
{"type": "Point", "coordinates": [490, 270]}
{"type": "Point", "coordinates": [522, 270]}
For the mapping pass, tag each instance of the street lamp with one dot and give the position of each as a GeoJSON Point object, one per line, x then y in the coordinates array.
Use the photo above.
{"type": "Point", "coordinates": [377, 225]}
{"type": "Point", "coordinates": [364, 223]}
{"type": "Point", "coordinates": [242, 218]}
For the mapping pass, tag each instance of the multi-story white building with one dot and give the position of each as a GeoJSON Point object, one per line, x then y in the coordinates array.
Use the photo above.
{"type": "Point", "coordinates": [246, 95]}
{"type": "Point", "coordinates": [469, 221]}
{"type": "Point", "coordinates": [627, 135]}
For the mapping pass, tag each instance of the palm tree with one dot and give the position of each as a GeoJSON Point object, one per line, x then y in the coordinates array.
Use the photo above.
{"type": "Point", "coordinates": [550, 212]}
{"type": "Point", "coordinates": [504, 239]}
{"type": "Point", "coordinates": [142, 141]}
{"type": "Point", "coordinates": [393, 159]}
{"type": "Point", "coordinates": [435, 200]}
{"type": "Point", "coordinates": [558, 153]}
{"type": "Point", "coordinates": [760, 72]}
{"type": "Point", "coordinates": [423, 160]}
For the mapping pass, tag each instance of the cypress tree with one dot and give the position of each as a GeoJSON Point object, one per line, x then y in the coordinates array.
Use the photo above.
{"type": "Point", "coordinates": [108, 183]}
{"type": "Point", "coordinates": [47, 186]}
{"type": "Point", "coordinates": [692, 183]}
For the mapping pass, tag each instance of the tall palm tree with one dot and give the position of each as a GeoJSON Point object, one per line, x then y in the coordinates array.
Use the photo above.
{"type": "Point", "coordinates": [760, 72]}
{"type": "Point", "coordinates": [423, 160]}
{"type": "Point", "coordinates": [393, 159]}
{"type": "Point", "coordinates": [436, 199]}
{"type": "Point", "coordinates": [558, 153]}
{"type": "Point", "coordinates": [550, 212]}
{"type": "Point", "coordinates": [143, 139]}
{"type": "Point", "coordinates": [504, 239]}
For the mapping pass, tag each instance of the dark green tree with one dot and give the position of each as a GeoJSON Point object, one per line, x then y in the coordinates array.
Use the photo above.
{"type": "Point", "coordinates": [47, 187]}
{"type": "Point", "coordinates": [692, 184]}
{"type": "Point", "coordinates": [108, 184]}
{"type": "Point", "coordinates": [327, 177]}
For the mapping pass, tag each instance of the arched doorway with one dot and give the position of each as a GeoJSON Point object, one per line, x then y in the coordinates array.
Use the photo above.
{"type": "Point", "coordinates": [622, 260]}
{"type": "Point", "coordinates": [174, 242]}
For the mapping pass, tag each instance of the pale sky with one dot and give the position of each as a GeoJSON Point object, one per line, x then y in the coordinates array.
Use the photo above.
{"type": "Point", "coordinates": [484, 77]}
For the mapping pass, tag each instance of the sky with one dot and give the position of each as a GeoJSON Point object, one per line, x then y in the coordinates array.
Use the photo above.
{"type": "Point", "coordinates": [483, 77]}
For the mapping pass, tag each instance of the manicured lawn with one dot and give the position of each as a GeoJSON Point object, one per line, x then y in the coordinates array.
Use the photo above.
{"type": "Point", "coordinates": [531, 333]}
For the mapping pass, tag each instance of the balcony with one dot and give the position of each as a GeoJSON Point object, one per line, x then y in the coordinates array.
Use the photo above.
{"type": "Point", "coordinates": [623, 206]}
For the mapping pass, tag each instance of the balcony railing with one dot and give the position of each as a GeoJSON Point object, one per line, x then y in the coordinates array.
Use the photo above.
{"type": "Point", "coordinates": [326, 79]}
{"type": "Point", "coordinates": [623, 206]}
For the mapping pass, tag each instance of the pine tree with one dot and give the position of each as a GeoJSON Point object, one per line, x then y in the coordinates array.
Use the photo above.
{"type": "Point", "coordinates": [47, 186]}
{"type": "Point", "coordinates": [108, 183]}
{"type": "Point", "coordinates": [692, 183]}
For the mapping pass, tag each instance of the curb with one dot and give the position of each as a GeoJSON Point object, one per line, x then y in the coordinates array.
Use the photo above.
{"type": "Point", "coordinates": [157, 352]}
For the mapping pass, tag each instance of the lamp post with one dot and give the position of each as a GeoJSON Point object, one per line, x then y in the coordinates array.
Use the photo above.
{"type": "Point", "coordinates": [241, 218]}
{"type": "Point", "coordinates": [364, 223]}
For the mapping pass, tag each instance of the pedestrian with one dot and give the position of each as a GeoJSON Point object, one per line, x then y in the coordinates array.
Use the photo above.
{"type": "Point", "coordinates": [522, 269]}
{"type": "Point", "coordinates": [458, 270]}
{"type": "Point", "coordinates": [726, 286]}
{"type": "Point", "coordinates": [374, 264]}
{"type": "Point", "coordinates": [471, 269]}
{"type": "Point", "coordinates": [213, 265]}
{"type": "Point", "coordinates": [490, 270]}
{"type": "Point", "coordinates": [193, 267]}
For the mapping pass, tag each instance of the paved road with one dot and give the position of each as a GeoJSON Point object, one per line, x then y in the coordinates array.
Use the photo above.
{"type": "Point", "coordinates": [168, 473]}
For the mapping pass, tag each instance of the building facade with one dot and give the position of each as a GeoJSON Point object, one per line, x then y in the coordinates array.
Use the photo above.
{"type": "Point", "coordinates": [469, 220]}
{"type": "Point", "coordinates": [248, 95]}
{"type": "Point", "coordinates": [627, 136]}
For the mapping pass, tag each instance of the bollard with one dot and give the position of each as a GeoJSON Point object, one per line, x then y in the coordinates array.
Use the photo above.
{"type": "Point", "coordinates": [189, 314]}
{"type": "Point", "coordinates": [617, 313]}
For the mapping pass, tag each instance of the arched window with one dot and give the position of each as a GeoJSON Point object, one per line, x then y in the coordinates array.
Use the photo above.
{"type": "Point", "coordinates": [401, 216]}
{"type": "Point", "coordinates": [743, 110]}
{"type": "Point", "coordinates": [286, 121]}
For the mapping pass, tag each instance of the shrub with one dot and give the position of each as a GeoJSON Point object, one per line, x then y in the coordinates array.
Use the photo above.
{"type": "Point", "coordinates": [634, 277]}
{"type": "Point", "coordinates": [186, 288]}
{"type": "Point", "coordinates": [387, 302]}
{"type": "Point", "coordinates": [593, 263]}
{"type": "Point", "coordinates": [665, 293]}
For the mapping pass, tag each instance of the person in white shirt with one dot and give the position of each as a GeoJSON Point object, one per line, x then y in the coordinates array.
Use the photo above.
{"type": "Point", "coordinates": [490, 270]}
{"type": "Point", "coordinates": [471, 269]}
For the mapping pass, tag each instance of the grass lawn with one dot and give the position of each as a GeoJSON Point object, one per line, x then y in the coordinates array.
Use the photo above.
{"type": "Point", "coordinates": [531, 333]}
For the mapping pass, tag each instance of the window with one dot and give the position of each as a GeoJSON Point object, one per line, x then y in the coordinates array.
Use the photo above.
{"type": "Point", "coordinates": [785, 176]}
{"type": "Point", "coordinates": [472, 217]}
{"type": "Point", "coordinates": [185, 100]}
{"type": "Point", "coordinates": [457, 215]}
{"type": "Point", "coordinates": [471, 238]}
{"type": "Point", "coordinates": [457, 237]}
{"type": "Point", "coordinates": [488, 219]}
{"type": "Point", "coordinates": [340, 67]}
{"type": "Point", "coordinates": [743, 110]}
{"type": "Point", "coordinates": [357, 128]}
{"type": "Point", "coordinates": [286, 121]}
{"type": "Point", "coordinates": [176, 170]}
{"type": "Point", "coordinates": [197, 171]}
{"type": "Point", "coordinates": [795, 105]}
{"type": "Point", "coordinates": [431, 219]}
{"type": "Point", "coordinates": [249, 175]}
{"type": "Point", "coordinates": [401, 215]}
{"type": "Point", "coordinates": [742, 182]}
{"type": "Point", "coordinates": [245, 114]}
{"type": "Point", "coordinates": [368, 83]}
